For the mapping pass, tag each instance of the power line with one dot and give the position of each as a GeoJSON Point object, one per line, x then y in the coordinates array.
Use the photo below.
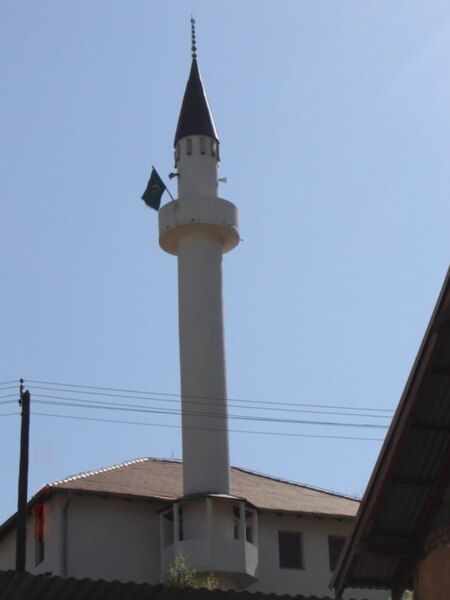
{"type": "Point", "coordinates": [212, 415]}
{"type": "Point", "coordinates": [91, 387]}
{"type": "Point", "coordinates": [8, 401]}
{"type": "Point", "coordinates": [9, 414]}
{"type": "Point", "coordinates": [177, 402]}
{"type": "Point", "coordinates": [8, 382]}
{"type": "Point", "coordinates": [10, 396]}
{"type": "Point", "coordinates": [10, 387]}
{"type": "Point", "coordinates": [274, 433]}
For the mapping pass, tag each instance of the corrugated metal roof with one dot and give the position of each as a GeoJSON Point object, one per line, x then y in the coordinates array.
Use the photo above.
{"type": "Point", "coordinates": [16, 586]}
{"type": "Point", "coordinates": [411, 473]}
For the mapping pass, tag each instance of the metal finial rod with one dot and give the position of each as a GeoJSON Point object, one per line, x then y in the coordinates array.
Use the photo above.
{"type": "Point", "coordinates": [194, 46]}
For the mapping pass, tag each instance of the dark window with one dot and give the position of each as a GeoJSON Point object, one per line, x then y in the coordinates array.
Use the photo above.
{"type": "Point", "coordinates": [335, 545]}
{"type": "Point", "coordinates": [248, 524]}
{"type": "Point", "coordinates": [202, 146]}
{"type": "Point", "coordinates": [236, 519]}
{"type": "Point", "coordinates": [290, 548]}
{"type": "Point", "coordinates": [39, 533]}
{"type": "Point", "coordinates": [249, 533]}
{"type": "Point", "coordinates": [189, 146]}
{"type": "Point", "coordinates": [180, 524]}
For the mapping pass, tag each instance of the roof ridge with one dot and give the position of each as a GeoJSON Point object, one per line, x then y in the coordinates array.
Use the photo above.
{"type": "Point", "coordinates": [125, 463]}
{"type": "Point", "coordinates": [84, 474]}
{"type": "Point", "coordinates": [303, 485]}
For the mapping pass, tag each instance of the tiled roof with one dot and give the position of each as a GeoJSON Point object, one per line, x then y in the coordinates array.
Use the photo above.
{"type": "Point", "coordinates": [162, 480]}
{"type": "Point", "coordinates": [16, 586]}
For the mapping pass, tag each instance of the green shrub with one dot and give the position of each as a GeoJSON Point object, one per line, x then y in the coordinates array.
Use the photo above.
{"type": "Point", "coordinates": [181, 574]}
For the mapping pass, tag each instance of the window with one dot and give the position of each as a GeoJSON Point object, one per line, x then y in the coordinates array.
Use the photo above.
{"type": "Point", "coordinates": [213, 148]}
{"type": "Point", "coordinates": [202, 146]}
{"type": "Point", "coordinates": [290, 549]}
{"type": "Point", "coordinates": [335, 545]}
{"type": "Point", "coordinates": [180, 524]}
{"type": "Point", "coordinates": [236, 519]}
{"type": "Point", "coordinates": [248, 524]}
{"type": "Point", "coordinates": [39, 538]}
{"type": "Point", "coordinates": [188, 146]}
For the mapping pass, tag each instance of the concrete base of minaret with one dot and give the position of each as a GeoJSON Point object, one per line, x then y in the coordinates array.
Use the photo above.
{"type": "Point", "coordinates": [216, 534]}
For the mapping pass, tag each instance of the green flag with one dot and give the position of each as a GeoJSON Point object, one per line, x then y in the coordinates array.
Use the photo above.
{"type": "Point", "coordinates": [154, 190]}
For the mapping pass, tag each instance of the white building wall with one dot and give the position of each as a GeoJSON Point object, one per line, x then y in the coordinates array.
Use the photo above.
{"type": "Point", "coordinates": [314, 578]}
{"type": "Point", "coordinates": [112, 538]}
{"type": "Point", "coordinates": [52, 543]}
{"type": "Point", "coordinates": [107, 538]}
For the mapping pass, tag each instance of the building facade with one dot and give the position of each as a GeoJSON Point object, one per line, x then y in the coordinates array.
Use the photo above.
{"type": "Point", "coordinates": [118, 524]}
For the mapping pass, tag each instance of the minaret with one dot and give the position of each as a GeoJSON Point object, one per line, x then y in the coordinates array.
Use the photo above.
{"type": "Point", "coordinates": [199, 227]}
{"type": "Point", "coordinates": [214, 530]}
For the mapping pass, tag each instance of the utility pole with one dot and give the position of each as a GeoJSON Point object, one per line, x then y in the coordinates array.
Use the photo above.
{"type": "Point", "coordinates": [21, 539]}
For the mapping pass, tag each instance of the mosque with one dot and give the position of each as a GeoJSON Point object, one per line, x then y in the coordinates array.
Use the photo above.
{"type": "Point", "coordinates": [128, 522]}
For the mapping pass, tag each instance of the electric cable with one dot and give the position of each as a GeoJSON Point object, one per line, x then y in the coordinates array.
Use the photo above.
{"type": "Point", "coordinates": [216, 416]}
{"type": "Point", "coordinates": [207, 404]}
{"type": "Point", "coordinates": [90, 387]}
{"type": "Point", "coordinates": [275, 433]}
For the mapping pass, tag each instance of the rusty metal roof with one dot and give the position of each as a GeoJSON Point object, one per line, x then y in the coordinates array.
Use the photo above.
{"type": "Point", "coordinates": [411, 474]}
{"type": "Point", "coordinates": [17, 586]}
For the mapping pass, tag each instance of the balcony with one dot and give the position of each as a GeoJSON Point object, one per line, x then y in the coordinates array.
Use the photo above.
{"type": "Point", "coordinates": [214, 533]}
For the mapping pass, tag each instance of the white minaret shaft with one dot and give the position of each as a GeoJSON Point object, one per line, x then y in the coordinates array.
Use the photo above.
{"type": "Point", "coordinates": [199, 227]}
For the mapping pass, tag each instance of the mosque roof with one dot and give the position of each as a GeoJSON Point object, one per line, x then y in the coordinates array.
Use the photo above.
{"type": "Point", "coordinates": [161, 480]}
{"type": "Point", "coordinates": [195, 115]}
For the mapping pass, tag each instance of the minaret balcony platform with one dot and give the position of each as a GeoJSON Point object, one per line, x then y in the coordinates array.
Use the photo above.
{"type": "Point", "coordinates": [198, 213]}
{"type": "Point", "coordinates": [214, 533]}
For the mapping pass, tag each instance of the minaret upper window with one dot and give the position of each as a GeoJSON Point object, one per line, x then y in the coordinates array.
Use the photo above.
{"type": "Point", "coordinates": [202, 146]}
{"type": "Point", "coordinates": [213, 147]}
{"type": "Point", "coordinates": [177, 152]}
{"type": "Point", "coordinates": [189, 146]}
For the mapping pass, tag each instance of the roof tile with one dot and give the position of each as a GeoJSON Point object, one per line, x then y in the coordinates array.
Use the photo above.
{"type": "Point", "coordinates": [162, 480]}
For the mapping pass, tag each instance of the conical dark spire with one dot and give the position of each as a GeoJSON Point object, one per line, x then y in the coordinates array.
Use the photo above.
{"type": "Point", "coordinates": [195, 116]}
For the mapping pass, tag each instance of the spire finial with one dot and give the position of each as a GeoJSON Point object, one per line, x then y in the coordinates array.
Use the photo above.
{"type": "Point", "coordinates": [194, 46]}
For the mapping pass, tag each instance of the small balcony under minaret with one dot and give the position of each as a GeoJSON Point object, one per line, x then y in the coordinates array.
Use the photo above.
{"type": "Point", "coordinates": [215, 533]}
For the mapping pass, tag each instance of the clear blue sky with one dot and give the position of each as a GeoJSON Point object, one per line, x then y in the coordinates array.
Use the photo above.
{"type": "Point", "coordinates": [334, 126]}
